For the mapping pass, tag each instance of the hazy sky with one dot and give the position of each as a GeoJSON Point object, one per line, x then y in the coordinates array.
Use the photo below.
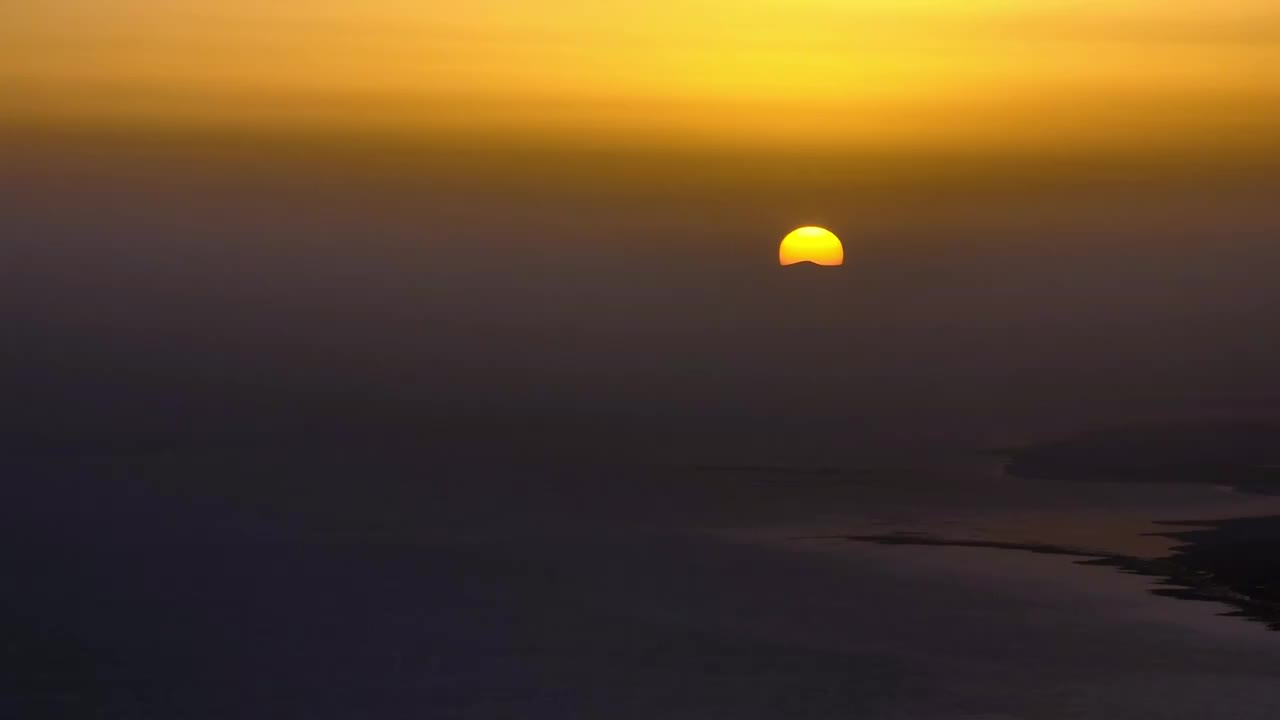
{"type": "Point", "coordinates": [556, 205]}
{"type": "Point", "coordinates": [796, 73]}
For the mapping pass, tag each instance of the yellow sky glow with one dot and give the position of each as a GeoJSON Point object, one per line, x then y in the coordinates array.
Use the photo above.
{"type": "Point", "coordinates": [772, 72]}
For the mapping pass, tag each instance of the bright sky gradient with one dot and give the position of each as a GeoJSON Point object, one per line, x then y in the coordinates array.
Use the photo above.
{"type": "Point", "coordinates": [770, 72]}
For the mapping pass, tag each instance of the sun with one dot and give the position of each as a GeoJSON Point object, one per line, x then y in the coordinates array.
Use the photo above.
{"type": "Point", "coordinates": [811, 244]}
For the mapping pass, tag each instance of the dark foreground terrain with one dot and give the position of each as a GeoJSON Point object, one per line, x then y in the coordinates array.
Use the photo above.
{"type": "Point", "coordinates": [329, 584]}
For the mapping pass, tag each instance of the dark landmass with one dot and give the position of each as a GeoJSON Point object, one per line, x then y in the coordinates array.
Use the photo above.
{"type": "Point", "coordinates": [907, 538]}
{"type": "Point", "coordinates": [1242, 554]}
{"type": "Point", "coordinates": [1234, 561]}
{"type": "Point", "coordinates": [1242, 454]}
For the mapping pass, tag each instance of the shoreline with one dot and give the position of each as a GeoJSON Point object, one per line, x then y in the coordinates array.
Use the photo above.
{"type": "Point", "coordinates": [1230, 561]}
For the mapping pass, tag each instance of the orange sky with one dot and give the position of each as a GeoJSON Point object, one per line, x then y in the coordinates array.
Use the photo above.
{"type": "Point", "coordinates": [791, 73]}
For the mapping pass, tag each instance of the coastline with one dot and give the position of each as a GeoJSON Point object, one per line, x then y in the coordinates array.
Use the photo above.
{"type": "Point", "coordinates": [1231, 561]}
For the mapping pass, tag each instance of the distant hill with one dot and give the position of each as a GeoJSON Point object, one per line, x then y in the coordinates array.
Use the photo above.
{"type": "Point", "coordinates": [1243, 454]}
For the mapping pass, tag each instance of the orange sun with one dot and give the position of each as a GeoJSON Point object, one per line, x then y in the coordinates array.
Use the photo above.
{"type": "Point", "coordinates": [811, 244]}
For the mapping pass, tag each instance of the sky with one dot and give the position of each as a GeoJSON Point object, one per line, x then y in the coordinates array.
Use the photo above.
{"type": "Point", "coordinates": [809, 73]}
{"type": "Point", "coordinates": [1061, 211]}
